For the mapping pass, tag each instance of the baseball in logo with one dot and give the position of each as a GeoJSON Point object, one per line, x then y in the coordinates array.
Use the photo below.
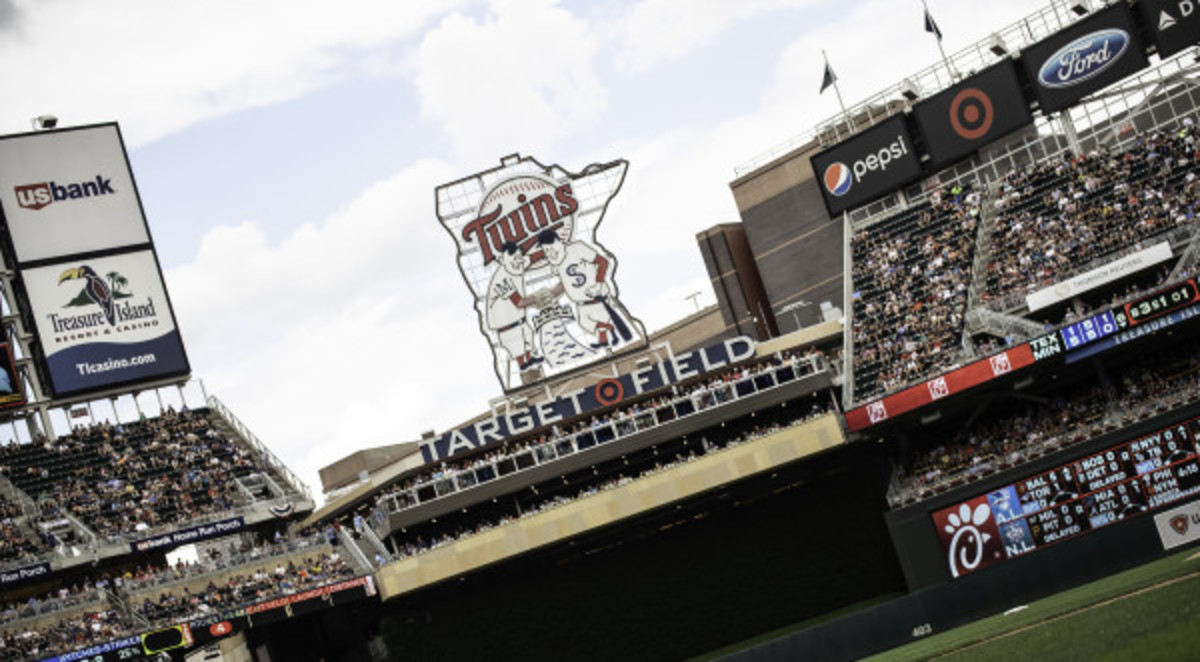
{"type": "Point", "coordinates": [544, 288]}
{"type": "Point", "coordinates": [971, 113]}
{"type": "Point", "coordinates": [838, 178]}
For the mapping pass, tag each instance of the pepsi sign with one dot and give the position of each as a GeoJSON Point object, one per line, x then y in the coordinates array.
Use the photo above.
{"type": "Point", "coordinates": [1088, 56]}
{"type": "Point", "coordinates": [867, 166]}
{"type": "Point", "coordinates": [977, 111]}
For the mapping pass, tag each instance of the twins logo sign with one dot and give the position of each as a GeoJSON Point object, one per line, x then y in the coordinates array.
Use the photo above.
{"type": "Point", "coordinates": [543, 286]}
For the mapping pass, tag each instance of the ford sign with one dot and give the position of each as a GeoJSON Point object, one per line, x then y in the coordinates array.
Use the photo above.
{"type": "Point", "coordinates": [1084, 58]}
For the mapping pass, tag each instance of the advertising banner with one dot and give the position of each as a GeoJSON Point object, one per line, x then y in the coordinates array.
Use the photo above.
{"type": "Point", "coordinates": [604, 393]}
{"type": "Point", "coordinates": [545, 294]}
{"type": "Point", "coordinates": [971, 536]}
{"type": "Point", "coordinates": [1103, 275]}
{"type": "Point", "coordinates": [69, 191]}
{"type": "Point", "coordinates": [1173, 24]}
{"type": "Point", "coordinates": [1088, 56]}
{"type": "Point", "coordinates": [977, 111]}
{"type": "Point", "coordinates": [1179, 526]}
{"type": "Point", "coordinates": [953, 382]}
{"type": "Point", "coordinates": [103, 322]}
{"type": "Point", "coordinates": [190, 535]}
{"type": "Point", "coordinates": [868, 166]}
{"type": "Point", "coordinates": [14, 576]}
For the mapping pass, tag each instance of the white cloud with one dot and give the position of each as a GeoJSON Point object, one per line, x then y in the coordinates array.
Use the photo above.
{"type": "Point", "coordinates": [162, 65]}
{"type": "Point", "coordinates": [517, 80]}
{"type": "Point", "coordinates": [337, 338]}
{"type": "Point", "coordinates": [358, 331]}
{"type": "Point", "coordinates": [658, 31]}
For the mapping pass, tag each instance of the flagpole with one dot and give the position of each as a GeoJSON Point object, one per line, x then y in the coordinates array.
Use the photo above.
{"type": "Point", "coordinates": [837, 91]}
{"type": "Point", "coordinates": [945, 60]}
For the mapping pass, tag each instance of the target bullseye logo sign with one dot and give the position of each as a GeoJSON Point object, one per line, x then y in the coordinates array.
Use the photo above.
{"type": "Point", "coordinates": [983, 108]}
{"type": "Point", "coordinates": [609, 392]}
{"type": "Point", "coordinates": [971, 113]}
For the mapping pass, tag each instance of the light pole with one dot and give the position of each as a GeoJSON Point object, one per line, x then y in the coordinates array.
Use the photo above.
{"type": "Point", "coordinates": [793, 308]}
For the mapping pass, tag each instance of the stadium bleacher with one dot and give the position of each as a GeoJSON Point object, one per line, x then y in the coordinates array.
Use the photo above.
{"type": "Point", "coordinates": [1058, 218]}
{"type": "Point", "coordinates": [1167, 380]}
{"type": "Point", "coordinates": [544, 447]}
{"type": "Point", "coordinates": [911, 273]}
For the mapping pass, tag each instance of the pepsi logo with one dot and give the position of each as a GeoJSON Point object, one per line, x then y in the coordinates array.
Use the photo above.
{"type": "Point", "coordinates": [1084, 58]}
{"type": "Point", "coordinates": [837, 178]}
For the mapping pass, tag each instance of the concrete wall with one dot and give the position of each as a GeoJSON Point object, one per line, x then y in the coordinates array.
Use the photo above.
{"type": "Point", "coordinates": [797, 247]}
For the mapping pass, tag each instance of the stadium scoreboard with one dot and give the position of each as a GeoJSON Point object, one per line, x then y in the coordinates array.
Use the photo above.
{"type": "Point", "coordinates": [1073, 498]}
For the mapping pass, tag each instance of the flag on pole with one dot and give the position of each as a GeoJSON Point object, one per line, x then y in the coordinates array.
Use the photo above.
{"type": "Point", "coordinates": [931, 26]}
{"type": "Point", "coordinates": [829, 79]}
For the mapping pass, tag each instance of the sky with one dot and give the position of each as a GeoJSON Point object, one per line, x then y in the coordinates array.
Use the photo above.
{"type": "Point", "coordinates": [287, 152]}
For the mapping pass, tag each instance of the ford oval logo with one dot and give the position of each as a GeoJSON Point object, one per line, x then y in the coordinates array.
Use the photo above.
{"type": "Point", "coordinates": [1084, 58]}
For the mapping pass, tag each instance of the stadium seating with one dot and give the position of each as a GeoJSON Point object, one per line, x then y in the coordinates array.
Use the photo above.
{"type": "Point", "coordinates": [1164, 381]}
{"type": "Point", "coordinates": [17, 546]}
{"type": "Point", "coordinates": [133, 478]}
{"type": "Point", "coordinates": [65, 632]}
{"type": "Point", "coordinates": [119, 603]}
{"type": "Point", "coordinates": [516, 455]}
{"type": "Point", "coordinates": [1059, 218]}
{"type": "Point", "coordinates": [615, 475]}
{"type": "Point", "coordinates": [911, 273]}
{"type": "Point", "coordinates": [178, 604]}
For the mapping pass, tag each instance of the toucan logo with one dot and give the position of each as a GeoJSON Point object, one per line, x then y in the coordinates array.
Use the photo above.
{"type": "Point", "coordinates": [36, 196]}
{"type": "Point", "coordinates": [105, 293]}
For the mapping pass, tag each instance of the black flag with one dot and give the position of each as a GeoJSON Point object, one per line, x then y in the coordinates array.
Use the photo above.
{"type": "Point", "coordinates": [830, 77]}
{"type": "Point", "coordinates": [930, 26]}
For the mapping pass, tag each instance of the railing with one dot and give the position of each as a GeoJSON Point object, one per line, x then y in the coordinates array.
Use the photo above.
{"type": "Point", "coordinates": [357, 556]}
{"type": "Point", "coordinates": [907, 489]}
{"type": "Point", "coordinates": [250, 438]}
{"type": "Point", "coordinates": [34, 608]}
{"type": "Point", "coordinates": [167, 579]}
{"type": "Point", "coordinates": [369, 534]}
{"type": "Point", "coordinates": [983, 246]}
{"type": "Point", "coordinates": [443, 484]}
{"type": "Point", "coordinates": [929, 81]}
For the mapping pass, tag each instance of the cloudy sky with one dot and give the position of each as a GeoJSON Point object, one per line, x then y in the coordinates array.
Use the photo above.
{"type": "Point", "coordinates": [287, 152]}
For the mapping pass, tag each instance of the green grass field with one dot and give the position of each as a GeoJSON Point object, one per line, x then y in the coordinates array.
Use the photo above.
{"type": "Point", "coordinates": [1147, 613]}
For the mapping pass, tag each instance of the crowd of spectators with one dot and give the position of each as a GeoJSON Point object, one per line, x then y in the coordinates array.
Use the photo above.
{"type": "Point", "coordinates": [243, 589]}
{"type": "Point", "coordinates": [1167, 380]}
{"type": "Point", "coordinates": [1057, 217]}
{"type": "Point", "coordinates": [911, 276]}
{"type": "Point", "coordinates": [16, 546]}
{"type": "Point", "coordinates": [81, 630]}
{"type": "Point", "coordinates": [126, 479]}
{"type": "Point", "coordinates": [419, 543]}
{"type": "Point", "coordinates": [159, 593]}
{"type": "Point", "coordinates": [549, 445]}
